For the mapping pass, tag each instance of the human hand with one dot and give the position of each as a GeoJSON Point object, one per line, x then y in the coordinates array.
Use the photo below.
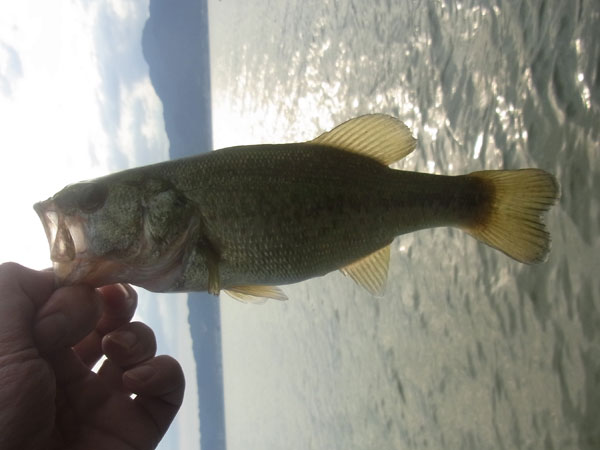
{"type": "Point", "coordinates": [49, 396]}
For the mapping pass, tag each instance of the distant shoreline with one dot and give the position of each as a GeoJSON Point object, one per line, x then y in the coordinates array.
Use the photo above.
{"type": "Point", "coordinates": [175, 43]}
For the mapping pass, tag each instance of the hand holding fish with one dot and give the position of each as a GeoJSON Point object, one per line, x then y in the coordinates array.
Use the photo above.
{"type": "Point", "coordinates": [49, 340]}
{"type": "Point", "coordinates": [246, 219]}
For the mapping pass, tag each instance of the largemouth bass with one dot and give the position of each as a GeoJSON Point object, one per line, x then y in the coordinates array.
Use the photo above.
{"type": "Point", "coordinates": [247, 219]}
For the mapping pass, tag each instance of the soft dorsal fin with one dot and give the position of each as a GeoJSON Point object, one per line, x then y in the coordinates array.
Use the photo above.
{"type": "Point", "coordinates": [255, 294]}
{"type": "Point", "coordinates": [371, 271]}
{"type": "Point", "coordinates": [378, 136]}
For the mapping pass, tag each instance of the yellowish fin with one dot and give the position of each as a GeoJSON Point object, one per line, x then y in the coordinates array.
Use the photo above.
{"type": "Point", "coordinates": [371, 271]}
{"type": "Point", "coordinates": [513, 223]}
{"type": "Point", "coordinates": [255, 294]}
{"type": "Point", "coordinates": [383, 138]}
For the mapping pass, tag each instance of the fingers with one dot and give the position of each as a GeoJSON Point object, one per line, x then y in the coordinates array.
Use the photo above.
{"type": "Point", "coordinates": [61, 317]}
{"type": "Point", "coordinates": [132, 368]}
{"type": "Point", "coordinates": [68, 315]}
{"type": "Point", "coordinates": [125, 347]}
{"type": "Point", "coordinates": [22, 292]}
{"type": "Point", "coordinates": [119, 302]}
{"type": "Point", "coordinates": [80, 317]}
{"type": "Point", "coordinates": [130, 344]}
{"type": "Point", "coordinates": [18, 280]}
{"type": "Point", "coordinates": [159, 384]}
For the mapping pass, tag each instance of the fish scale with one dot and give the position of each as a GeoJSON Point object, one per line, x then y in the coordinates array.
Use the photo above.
{"type": "Point", "coordinates": [271, 227]}
{"type": "Point", "coordinates": [245, 219]}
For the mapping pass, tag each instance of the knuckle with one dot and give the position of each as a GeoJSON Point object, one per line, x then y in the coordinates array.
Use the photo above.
{"type": "Point", "coordinates": [9, 270]}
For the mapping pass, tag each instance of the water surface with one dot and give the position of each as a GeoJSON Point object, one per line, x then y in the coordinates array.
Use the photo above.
{"type": "Point", "coordinates": [468, 349]}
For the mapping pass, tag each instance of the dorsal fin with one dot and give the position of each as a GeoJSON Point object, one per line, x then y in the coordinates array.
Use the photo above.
{"type": "Point", "coordinates": [378, 136]}
{"type": "Point", "coordinates": [371, 271]}
{"type": "Point", "coordinates": [255, 294]}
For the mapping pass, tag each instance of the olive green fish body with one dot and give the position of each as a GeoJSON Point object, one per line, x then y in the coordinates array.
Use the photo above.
{"type": "Point", "coordinates": [246, 218]}
{"type": "Point", "coordinates": [284, 213]}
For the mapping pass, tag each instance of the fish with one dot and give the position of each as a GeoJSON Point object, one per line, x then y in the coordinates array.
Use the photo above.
{"type": "Point", "coordinates": [248, 219]}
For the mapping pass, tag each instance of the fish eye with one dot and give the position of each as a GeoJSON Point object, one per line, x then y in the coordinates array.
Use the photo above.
{"type": "Point", "coordinates": [91, 197]}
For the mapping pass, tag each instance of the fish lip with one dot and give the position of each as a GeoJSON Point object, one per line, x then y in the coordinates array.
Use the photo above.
{"type": "Point", "coordinates": [65, 239]}
{"type": "Point", "coordinates": [48, 215]}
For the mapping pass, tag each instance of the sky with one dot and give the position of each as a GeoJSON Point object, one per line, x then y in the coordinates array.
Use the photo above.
{"type": "Point", "coordinates": [76, 102]}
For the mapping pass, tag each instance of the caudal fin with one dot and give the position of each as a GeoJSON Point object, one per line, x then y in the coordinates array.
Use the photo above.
{"type": "Point", "coordinates": [514, 224]}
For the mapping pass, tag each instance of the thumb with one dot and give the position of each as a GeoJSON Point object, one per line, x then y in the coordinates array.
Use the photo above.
{"type": "Point", "coordinates": [26, 384]}
{"type": "Point", "coordinates": [22, 292]}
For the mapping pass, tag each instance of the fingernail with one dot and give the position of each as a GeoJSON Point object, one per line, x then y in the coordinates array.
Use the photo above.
{"type": "Point", "coordinates": [51, 329]}
{"type": "Point", "coordinates": [126, 292]}
{"type": "Point", "coordinates": [140, 374]}
{"type": "Point", "coordinates": [123, 290]}
{"type": "Point", "coordinates": [125, 339]}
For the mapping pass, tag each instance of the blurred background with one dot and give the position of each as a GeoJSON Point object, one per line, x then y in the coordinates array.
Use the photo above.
{"type": "Point", "coordinates": [468, 349]}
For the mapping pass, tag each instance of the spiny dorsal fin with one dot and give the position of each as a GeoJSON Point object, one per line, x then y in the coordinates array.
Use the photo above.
{"type": "Point", "coordinates": [371, 271]}
{"type": "Point", "coordinates": [378, 136]}
{"type": "Point", "coordinates": [255, 294]}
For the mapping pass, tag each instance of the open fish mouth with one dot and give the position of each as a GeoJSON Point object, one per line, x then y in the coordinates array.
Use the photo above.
{"type": "Point", "coordinates": [65, 236]}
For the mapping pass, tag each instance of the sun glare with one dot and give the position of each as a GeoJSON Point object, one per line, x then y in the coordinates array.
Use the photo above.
{"type": "Point", "coordinates": [48, 114]}
{"type": "Point", "coordinates": [51, 109]}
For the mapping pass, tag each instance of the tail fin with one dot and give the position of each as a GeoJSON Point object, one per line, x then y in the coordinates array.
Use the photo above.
{"type": "Point", "coordinates": [513, 224]}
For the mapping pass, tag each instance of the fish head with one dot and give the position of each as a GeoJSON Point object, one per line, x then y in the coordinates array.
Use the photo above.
{"type": "Point", "coordinates": [92, 227]}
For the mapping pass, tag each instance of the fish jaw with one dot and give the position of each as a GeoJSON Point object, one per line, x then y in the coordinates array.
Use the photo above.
{"type": "Point", "coordinates": [67, 242]}
{"type": "Point", "coordinates": [74, 260]}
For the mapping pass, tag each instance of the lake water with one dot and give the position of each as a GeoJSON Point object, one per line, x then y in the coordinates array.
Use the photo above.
{"type": "Point", "coordinates": [468, 349]}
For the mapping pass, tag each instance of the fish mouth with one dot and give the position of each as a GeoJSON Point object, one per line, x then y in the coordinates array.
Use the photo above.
{"type": "Point", "coordinates": [66, 239]}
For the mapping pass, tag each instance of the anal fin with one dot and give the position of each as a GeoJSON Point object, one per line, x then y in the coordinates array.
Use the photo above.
{"type": "Point", "coordinates": [255, 294]}
{"type": "Point", "coordinates": [371, 271]}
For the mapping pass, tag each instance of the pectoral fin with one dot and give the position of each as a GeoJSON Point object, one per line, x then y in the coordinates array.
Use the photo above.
{"type": "Point", "coordinates": [383, 138]}
{"type": "Point", "coordinates": [212, 264]}
{"type": "Point", "coordinates": [255, 294]}
{"type": "Point", "coordinates": [214, 283]}
{"type": "Point", "coordinates": [371, 271]}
